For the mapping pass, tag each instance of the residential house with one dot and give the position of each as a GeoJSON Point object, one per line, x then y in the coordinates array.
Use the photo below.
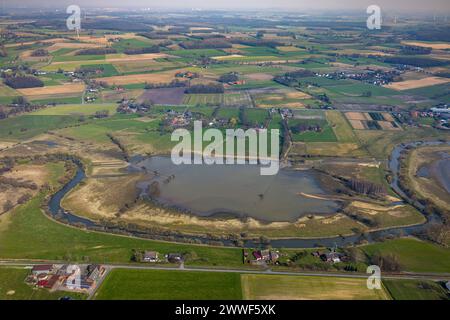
{"type": "Point", "coordinates": [150, 256]}
{"type": "Point", "coordinates": [257, 255]}
{"type": "Point", "coordinates": [174, 258]}
{"type": "Point", "coordinates": [42, 269]}
{"type": "Point", "coordinates": [265, 254]}
{"type": "Point", "coordinates": [274, 256]}
{"type": "Point", "coordinates": [94, 272]}
{"type": "Point", "coordinates": [333, 257]}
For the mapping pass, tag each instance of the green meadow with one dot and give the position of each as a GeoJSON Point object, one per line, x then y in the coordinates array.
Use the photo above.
{"type": "Point", "coordinates": [170, 285]}
{"type": "Point", "coordinates": [413, 255]}
{"type": "Point", "coordinates": [415, 290]}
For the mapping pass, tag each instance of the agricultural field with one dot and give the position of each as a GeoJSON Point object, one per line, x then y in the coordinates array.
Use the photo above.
{"type": "Point", "coordinates": [414, 84]}
{"type": "Point", "coordinates": [413, 255]}
{"type": "Point", "coordinates": [267, 287]}
{"type": "Point", "coordinates": [165, 285]}
{"type": "Point", "coordinates": [164, 96]}
{"type": "Point", "coordinates": [372, 121]}
{"type": "Point", "coordinates": [415, 290]}
{"type": "Point", "coordinates": [76, 109]}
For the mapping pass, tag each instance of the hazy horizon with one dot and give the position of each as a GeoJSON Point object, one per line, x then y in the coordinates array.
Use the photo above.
{"type": "Point", "coordinates": [437, 6]}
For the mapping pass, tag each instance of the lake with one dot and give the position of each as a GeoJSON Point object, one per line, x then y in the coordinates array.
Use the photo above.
{"type": "Point", "coordinates": [237, 190]}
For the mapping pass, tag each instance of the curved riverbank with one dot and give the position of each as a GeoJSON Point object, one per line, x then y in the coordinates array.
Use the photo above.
{"type": "Point", "coordinates": [55, 209]}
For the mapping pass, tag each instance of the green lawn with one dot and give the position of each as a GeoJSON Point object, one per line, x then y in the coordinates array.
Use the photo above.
{"type": "Point", "coordinates": [325, 135]}
{"type": "Point", "coordinates": [13, 287]}
{"type": "Point", "coordinates": [415, 290]}
{"type": "Point", "coordinates": [108, 70]}
{"type": "Point", "coordinates": [170, 285]}
{"type": "Point", "coordinates": [27, 126]}
{"type": "Point", "coordinates": [124, 44]}
{"type": "Point", "coordinates": [414, 255]}
{"type": "Point", "coordinates": [341, 127]}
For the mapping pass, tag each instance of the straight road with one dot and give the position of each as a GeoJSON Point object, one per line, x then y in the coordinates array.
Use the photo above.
{"type": "Point", "coordinates": [402, 275]}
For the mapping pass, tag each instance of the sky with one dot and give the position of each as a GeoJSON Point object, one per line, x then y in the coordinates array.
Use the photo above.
{"type": "Point", "coordinates": [438, 6]}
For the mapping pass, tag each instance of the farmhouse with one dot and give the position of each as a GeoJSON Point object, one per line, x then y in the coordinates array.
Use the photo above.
{"type": "Point", "coordinates": [265, 256]}
{"type": "Point", "coordinates": [174, 257]}
{"type": "Point", "coordinates": [150, 256]}
{"type": "Point", "coordinates": [42, 269]}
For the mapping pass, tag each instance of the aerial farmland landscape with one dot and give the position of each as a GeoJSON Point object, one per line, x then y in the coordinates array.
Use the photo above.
{"type": "Point", "coordinates": [224, 152]}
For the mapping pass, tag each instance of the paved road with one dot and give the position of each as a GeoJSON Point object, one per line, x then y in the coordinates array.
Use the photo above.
{"type": "Point", "coordinates": [402, 275]}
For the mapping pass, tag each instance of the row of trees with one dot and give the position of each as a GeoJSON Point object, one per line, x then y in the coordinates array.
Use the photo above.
{"type": "Point", "coordinates": [257, 42]}
{"type": "Point", "coordinates": [96, 51]}
{"type": "Point", "coordinates": [366, 187]}
{"type": "Point", "coordinates": [216, 43]}
{"type": "Point", "coordinates": [229, 77]}
{"type": "Point", "coordinates": [152, 49]}
{"type": "Point", "coordinates": [20, 82]}
{"type": "Point", "coordinates": [292, 78]}
{"type": "Point", "coordinates": [39, 53]}
{"type": "Point", "coordinates": [205, 88]}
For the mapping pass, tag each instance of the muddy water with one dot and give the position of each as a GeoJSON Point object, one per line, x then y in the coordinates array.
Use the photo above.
{"type": "Point", "coordinates": [237, 190]}
{"type": "Point", "coordinates": [443, 172]}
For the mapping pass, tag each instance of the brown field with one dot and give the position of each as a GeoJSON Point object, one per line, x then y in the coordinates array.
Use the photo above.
{"type": "Point", "coordinates": [259, 76]}
{"type": "Point", "coordinates": [26, 55]}
{"type": "Point", "coordinates": [297, 95]}
{"type": "Point", "coordinates": [276, 287]}
{"type": "Point", "coordinates": [37, 174]}
{"type": "Point", "coordinates": [6, 144]}
{"type": "Point", "coordinates": [162, 77]}
{"type": "Point", "coordinates": [386, 125]}
{"type": "Point", "coordinates": [387, 116]}
{"type": "Point", "coordinates": [119, 57]}
{"type": "Point", "coordinates": [232, 51]}
{"type": "Point", "coordinates": [73, 45]}
{"type": "Point", "coordinates": [292, 105]}
{"type": "Point", "coordinates": [435, 46]}
{"type": "Point", "coordinates": [334, 149]}
{"type": "Point", "coordinates": [413, 84]}
{"type": "Point", "coordinates": [357, 124]}
{"type": "Point", "coordinates": [113, 96]}
{"type": "Point", "coordinates": [11, 45]}
{"type": "Point", "coordinates": [141, 65]}
{"type": "Point", "coordinates": [356, 116]}
{"type": "Point", "coordinates": [92, 201]}
{"type": "Point", "coordinates": [288, 49]}
{"type": "Point", "coordinates": [52, 90]}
